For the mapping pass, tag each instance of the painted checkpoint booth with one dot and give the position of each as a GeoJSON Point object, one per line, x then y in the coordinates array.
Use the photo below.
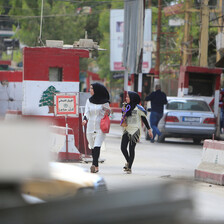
{"type": "Point", "coordinates": [195, 81]}
{"type": "Point", "coordinates": [48, 72]}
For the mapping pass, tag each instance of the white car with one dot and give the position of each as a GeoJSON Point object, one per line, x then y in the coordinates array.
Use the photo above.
{"type": "Point", "coordinates": [187, 118]}
{"type": "Point", "coordinates": [65, 181]}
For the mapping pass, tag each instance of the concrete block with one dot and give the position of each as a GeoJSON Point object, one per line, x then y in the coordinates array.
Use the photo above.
{"type": "Point", "coordinates": [211, 168]}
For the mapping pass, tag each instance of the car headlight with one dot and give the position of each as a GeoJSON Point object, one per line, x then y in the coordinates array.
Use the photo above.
{"type": "Point", "coordinates": [100, 186]}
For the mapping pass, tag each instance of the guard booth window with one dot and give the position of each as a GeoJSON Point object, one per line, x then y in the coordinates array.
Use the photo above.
{"type": "Point", "coordinates": [201, 84]}
{"type": "Point", "coordinates": [55, 74]}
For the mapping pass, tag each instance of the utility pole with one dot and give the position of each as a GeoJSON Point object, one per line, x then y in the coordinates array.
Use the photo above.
{"type": "Point", "coordinates": [156, 79]}
{"type": "Point", "coordinates": [203, 49]}
{"type": "Point", "coordinates": [186, 33]}
{"type": "Point", "coordinates": [204, 34]}
{"type": "Point", "coordinates": [220, 23]}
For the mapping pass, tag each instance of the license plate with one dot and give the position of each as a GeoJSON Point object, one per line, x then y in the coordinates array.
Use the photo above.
{"type": "Point", "coordinates": [191, 119]}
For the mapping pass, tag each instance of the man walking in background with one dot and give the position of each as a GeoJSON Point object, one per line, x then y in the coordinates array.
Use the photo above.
{"type": "Point", "coordinates": [158, 99]}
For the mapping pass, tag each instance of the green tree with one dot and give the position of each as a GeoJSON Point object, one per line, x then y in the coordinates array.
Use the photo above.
{"type": "Point", "coordinates": [61, 20]}
{"type": "Point", "coordinates": [47, 99]}
{"type": "Point", "coordinates": [67, 21]}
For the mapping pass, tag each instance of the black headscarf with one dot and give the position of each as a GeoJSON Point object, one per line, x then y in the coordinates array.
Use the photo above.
{"type": "Point", "coordinates": [134, 100]}
{"type": "Point", "coordinates": [100, 95]}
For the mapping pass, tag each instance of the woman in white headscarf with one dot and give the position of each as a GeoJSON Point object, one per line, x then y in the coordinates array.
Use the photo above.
{"type": "Point", "coordinates": [96, 106]}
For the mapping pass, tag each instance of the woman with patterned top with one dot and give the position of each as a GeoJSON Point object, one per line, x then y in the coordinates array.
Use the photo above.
{"type": "Point", "coordinates": [133, 114]}
{"type": "Point", "coordinates": [96, 106]}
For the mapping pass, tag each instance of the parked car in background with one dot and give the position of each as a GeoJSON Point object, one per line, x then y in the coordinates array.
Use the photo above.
{"type": "Point", "coordinates": [187, 118]}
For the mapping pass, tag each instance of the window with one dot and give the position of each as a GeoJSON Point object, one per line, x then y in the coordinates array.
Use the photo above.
{"type": "Point", "coordinates": [192, 105]}
{"type": "Point", "coordinates": [55, 74]}
{"type": "Point", "coordinates": [201, 84]}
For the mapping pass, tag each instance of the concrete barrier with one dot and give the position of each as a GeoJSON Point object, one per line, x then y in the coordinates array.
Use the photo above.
{"type": "Point", "coordinates": [13, 115]}
{"type": "Point", "coordinates": [60, 149]}
{"type": "Point", "coordinates": [211, 168]}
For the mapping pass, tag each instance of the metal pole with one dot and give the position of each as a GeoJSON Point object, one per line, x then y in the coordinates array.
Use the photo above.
{"type": "Point", "coordinates": [156, 79]}
{"type": "Point", "coordinates": [83, 131]}
{"type": "Point", "coordinates": [140, 84]}
{"type": "Point", "coordinates": [186, 33]}
{"type": "Point", "coordinates": [125, 83]}
{"type": "Point", "coordinates": [66, 133]}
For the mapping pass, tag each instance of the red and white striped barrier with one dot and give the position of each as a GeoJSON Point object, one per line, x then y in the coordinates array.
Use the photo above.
{"type": "Point", "coordinates": [62, 143]}
{"type": "Point", "coordinates": [211, 168]}
{"type": "Point", "coordinates": [63, 148]}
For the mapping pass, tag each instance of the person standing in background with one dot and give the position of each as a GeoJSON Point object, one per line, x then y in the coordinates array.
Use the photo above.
{"type": "Point", "coordinates": [96, 106]}
{"type": "Point", "coordinates": [158, 99]}
{"type": "Point", "coordinates": [221, 105]}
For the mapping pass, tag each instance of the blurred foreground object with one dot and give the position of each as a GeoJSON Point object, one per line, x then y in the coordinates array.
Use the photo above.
{"type": "Point", "coordinates": [25, 167]}
{"type": "Point", "coordinates": [24, 154]}
{"type": "Point", "coordinates": [65, 181]}
{"type": "Point", "coordinates": [161, 204]}
{"type": "Point", "coordinates": [24, 150]}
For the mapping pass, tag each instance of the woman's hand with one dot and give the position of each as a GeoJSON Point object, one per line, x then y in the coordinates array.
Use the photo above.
{"type": "Point", "coordinates": [84, 122]}
{"type": "Point", "coordinates": [107, 110]}
{"type": "Point", "coordinates": [150, 133]}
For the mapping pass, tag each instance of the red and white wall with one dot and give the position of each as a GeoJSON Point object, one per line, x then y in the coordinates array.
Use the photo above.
{"type": "Point", "coordinates": [22, 90]}
{"type": "Point", "coordinates": [37, 62]}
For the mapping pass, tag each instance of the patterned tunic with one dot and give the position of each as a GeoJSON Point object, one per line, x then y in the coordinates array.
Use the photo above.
{"type": "Point", "coordinates": [134, 124]}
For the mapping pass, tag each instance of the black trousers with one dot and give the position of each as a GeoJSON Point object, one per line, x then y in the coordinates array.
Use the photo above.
{"type": "Point", "coordinates": [96, 155]}
{"type": "Point", "coordinates": [129, 156]}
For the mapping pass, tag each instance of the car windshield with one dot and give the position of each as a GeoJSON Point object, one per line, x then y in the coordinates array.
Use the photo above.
{"type": "Point", "coordinates": [193, 105]}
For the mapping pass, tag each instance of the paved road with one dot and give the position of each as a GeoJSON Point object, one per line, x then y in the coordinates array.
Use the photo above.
{"type": "Point", "coordinates": [157, 163]}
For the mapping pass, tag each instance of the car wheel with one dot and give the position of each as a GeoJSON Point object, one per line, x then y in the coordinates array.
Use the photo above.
{"type": "Point", "coordinates": [161, 138]}
{"type": "Point", "coordinates": [197, 141]}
